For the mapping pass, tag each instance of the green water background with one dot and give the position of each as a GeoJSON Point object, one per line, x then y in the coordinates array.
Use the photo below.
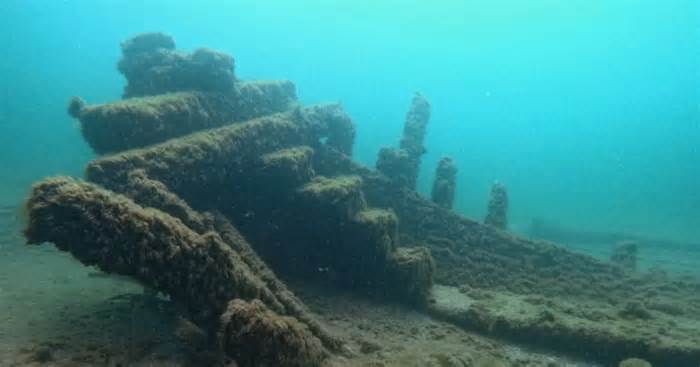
{"type": "Point", "coordinates": [586, 110]}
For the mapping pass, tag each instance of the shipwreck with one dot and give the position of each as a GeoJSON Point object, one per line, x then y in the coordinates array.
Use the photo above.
{"type": "Point", "coordinates": [210, 190]}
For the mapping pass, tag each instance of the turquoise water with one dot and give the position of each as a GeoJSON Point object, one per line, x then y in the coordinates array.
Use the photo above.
{"type": "Point", "coordinates": [587, 111]}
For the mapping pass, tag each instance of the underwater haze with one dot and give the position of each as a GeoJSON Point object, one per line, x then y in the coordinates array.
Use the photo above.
{"type": "Point", "coordinates": [216, 217]}
{"type": "Point", "coordinates": [586, 110]}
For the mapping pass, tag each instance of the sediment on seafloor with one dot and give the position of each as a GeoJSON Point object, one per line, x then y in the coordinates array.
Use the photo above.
{"type": "Point", "coordinates": [595, 330]}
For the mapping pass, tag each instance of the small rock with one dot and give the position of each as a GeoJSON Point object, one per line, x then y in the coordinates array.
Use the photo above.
{"type": "Point", "coordinates": [635, 310]}
{"type": "Point", "coordinates": [42, 355]}
{"type": "Point", "coordinates": [367, 346]}
{"type": "Point", "coordinates": [635, 362]}
{"type": "Point", "coordinates": [436, 335]}
{"type": "Point", "coordinates": [546, 316]}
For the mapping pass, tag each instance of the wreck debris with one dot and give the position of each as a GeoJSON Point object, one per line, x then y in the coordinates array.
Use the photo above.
{"type": "Point", "coordinates": [112, 232]}
{"type": "Point", "coordinates": [171, 94]}
{"type": "Point", "coordinates": [273, 179]}
{"type": "Point", "coordinates": [338, 197]}
{"type": "Point", "coordinates": [402, 164]}
{"type": "Point", "coordinates": [473, 243]}
{"type": "Point", "coordinates": [468, 253]}
{"type": "Point", "coordinates": [152, 66]}
{"type": "Point", "coordinates": [218, 160]}
{"type": "Point", "coordinates": [147, 42]}
{"type": "Point", "coordinates": [76, 105]}
{"type": "Point", "coordinates": [365, 253]}
{"type": "Point", "coordinates": [445, 183]}
{"type": "Point", "coordinates": [289, 167]}
{"type": "Point", "coordinates": [200, 271]}
{"type": "Point", "coordinates": [203, 166]}
{"type": "Point", "coordinates": [395, 164]}
{"type": "Point", "coordinates": [497, 212]}
{"type": "Point", "coordinates": [414, 134]}
{"type": "Point", "coordinates": [565, 327]}
{"type": "Point", "coordinates": [143, 121]}
{"type": "Point", "coordinates": [204, 162]}
{"type": "Point", "coordinates": [211, 157]}
{"type": "Point", "coordinates": [413, 267]}
{"type": "Point", "coordinates": [355, 246]}
{"type": "Point", "coordinates": [331, 122]}
{"type": "Point", "coordinates": [254, 335]}
{"type": "Point", "coordinates": [153, 194]}
{"type": "Point", "coordinates": [624, 254]}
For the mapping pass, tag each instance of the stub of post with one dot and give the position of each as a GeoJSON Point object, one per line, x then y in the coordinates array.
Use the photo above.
{"type": "Point", "coordinates": [497, 213]}
{"type": "Point", "coordinates": [445, 183]}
